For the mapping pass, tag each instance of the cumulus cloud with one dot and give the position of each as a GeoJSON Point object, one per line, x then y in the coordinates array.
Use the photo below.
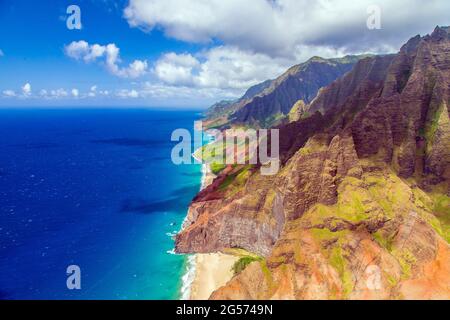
{"type": "Point", "coordinates": [261, 39]}
{"type": "Point", "coordinates": [126, 93]}
{"type": "Point", "coordinates": [220, 67]}
{"type": "Point", "coordinates": [58, 93]}
{"type": "Point", "coordinates": [92, 92]}
{"type": "Point", "coordinates": [26, 89]}
{"type": "Point", "coordinates": [288, 27]}
{"type": "Point", "coordinates": [176, 68]}
{"type": "Point", "coordinates": [75, 93]}
{"type": "Point", "coordinates": [183, 94]}
{"type": "Point", "coordinates": [9, 93]}
{"type": "Point", "coordinates": [164, 91]}
{"type": "Point", "coordinates": [109, 54]}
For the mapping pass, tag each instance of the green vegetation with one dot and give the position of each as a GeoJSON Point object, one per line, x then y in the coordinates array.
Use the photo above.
{"type": "Point", "coordinates": [433, 207]}
{"type": "Point", "coordinates": [436, 120]}
{"type": "Point", "coordinates": [245, 259]}
{"type": "Point", "coordinates": [335, 255]}
{"type": "Point", "coordinates": [267, 274]}
{"type": "Point", "coordinates": [209, 151]}
{"type": "Point", "coordinates": [237, 179]}
{"type": "Point", "coordinates": [354, 203]}
{"type": "Point", "coordinates": [305, 115]}
{"type": "Point", "coordinates": [406, 260]}
{"type": "Point", "coordinates": [441, 210]}
{"type": "Point", "coordinates": [227, 182]}
{"type": "Point", "coordinates": [272, 120]}
{"type": "Point", "coordinates": [243, 262]}
{"type": "Point", "coordinates": [296, 111]}
{"type": "Point", "coordinates": [383, 240]}
{"type": "Point", "coordinates": [216, 168]}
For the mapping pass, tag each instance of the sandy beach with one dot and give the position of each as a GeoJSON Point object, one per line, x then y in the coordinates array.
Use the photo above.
{"type": "Point", "coordinates": [212, 271]}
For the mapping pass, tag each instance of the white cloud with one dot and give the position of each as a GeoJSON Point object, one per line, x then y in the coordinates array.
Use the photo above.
{"type": "Point", "coordinates": [82, 50]}
{"type": "Point", "coordinates": [184, 94]}
{"type": "Point", "coordinates": [26, 89]}
{"type": "Point", "coordinates": [9, 93]}
{"type": "Point", "coordinates": [92, 92]}
{"type": "Point", "coordinates": [58, 93]}
{"type": "Point", "coordinates": [136, 69]}
{"type": "Point", "coordinates": [263, 38]}
{"type": "Point", "coordinates": [220, 67]}
{"type": "Point", "coordinates": [175, 68]}
{"type": "Point", "coordinates": [286, 27]}
{"type": "Point", "coordinates": [126, 93]}
{"type": "Point", "coordinates": [78, 50]}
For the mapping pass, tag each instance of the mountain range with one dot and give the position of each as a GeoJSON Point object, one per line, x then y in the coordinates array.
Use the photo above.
{"type": "Point", "coordinates": [269, 103]}
{"type": "Point", "coordinates": [360, 208]}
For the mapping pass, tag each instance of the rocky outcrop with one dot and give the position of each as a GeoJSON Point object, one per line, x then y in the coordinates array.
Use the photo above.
{"type": "Point", "coordinates": [360, 208]}
{"type": "Point", "coordinates": [318, 264]}
{"type": "Point", "coordinates": [234, 222]}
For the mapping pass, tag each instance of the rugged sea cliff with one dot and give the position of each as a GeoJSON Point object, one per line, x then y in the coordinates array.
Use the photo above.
{"type": "Point", "coordinates": [360, 208]}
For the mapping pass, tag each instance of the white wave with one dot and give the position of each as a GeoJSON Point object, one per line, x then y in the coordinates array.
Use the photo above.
{"type": "Point", "coordinates": [172, 234]}
{"type": "Point", "coordinates": [188, 278]}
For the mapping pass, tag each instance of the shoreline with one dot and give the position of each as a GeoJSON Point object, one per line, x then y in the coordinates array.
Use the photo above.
{"type": "Point", "coordinates": [205, 273]}
{"type": "Point", "coordinates": [191, 274]}
{"type": "Point", "coordinates": [212, 271]}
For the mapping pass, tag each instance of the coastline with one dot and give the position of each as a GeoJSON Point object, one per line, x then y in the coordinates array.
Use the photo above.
{"type": "Point", "coordinates": [205, 273]}
{"type": "Point", "coordinates": [191, 275]}
{"type": "Point", "coordinates": [212, 271]}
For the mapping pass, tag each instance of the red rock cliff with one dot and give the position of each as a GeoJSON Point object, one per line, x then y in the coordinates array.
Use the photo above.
{"type": "Point", "coordinates": [360, 208]}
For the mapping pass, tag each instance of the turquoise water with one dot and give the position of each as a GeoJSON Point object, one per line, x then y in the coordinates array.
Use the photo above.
{"type": "Point", "coordinates": [94, 188]}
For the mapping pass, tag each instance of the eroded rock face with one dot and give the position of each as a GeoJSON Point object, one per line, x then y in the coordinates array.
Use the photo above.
{"type": "Point", "coordinates": [360, 207]}
{"type": "Point", "coordinates": [268, 103]}
{"type": "Point", "coordinates": [235, 222]}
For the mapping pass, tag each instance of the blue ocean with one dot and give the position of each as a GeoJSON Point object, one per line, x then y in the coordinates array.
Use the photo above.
{"type": "Point", "coordinates": [96, 189]}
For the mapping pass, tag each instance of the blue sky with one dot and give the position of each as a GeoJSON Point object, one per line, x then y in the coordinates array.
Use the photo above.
{"type": "Point", "coordinates": [32, 39]}
{"type": "Point", "coordinates": [183, 53]}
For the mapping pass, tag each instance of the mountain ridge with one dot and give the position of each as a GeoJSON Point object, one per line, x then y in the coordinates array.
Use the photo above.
{"type": "Point", "coordinates": [269, 102]}
{"type": "Point", "coordinates": [363, 190]}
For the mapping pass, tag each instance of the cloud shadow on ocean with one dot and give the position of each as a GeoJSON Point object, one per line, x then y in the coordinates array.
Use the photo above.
{"type": "Point", "coordinates": [33, 146]}
{"type": "Point", "coordinates": [130, 142]}
{"type": "Point", "coordinates": [4, 295]}
{"type": "Point", "coordinates": [176, 202]}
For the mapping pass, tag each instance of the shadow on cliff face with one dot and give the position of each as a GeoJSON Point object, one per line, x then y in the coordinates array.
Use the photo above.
{"type": "Point", "coordinates": [178, 201]}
